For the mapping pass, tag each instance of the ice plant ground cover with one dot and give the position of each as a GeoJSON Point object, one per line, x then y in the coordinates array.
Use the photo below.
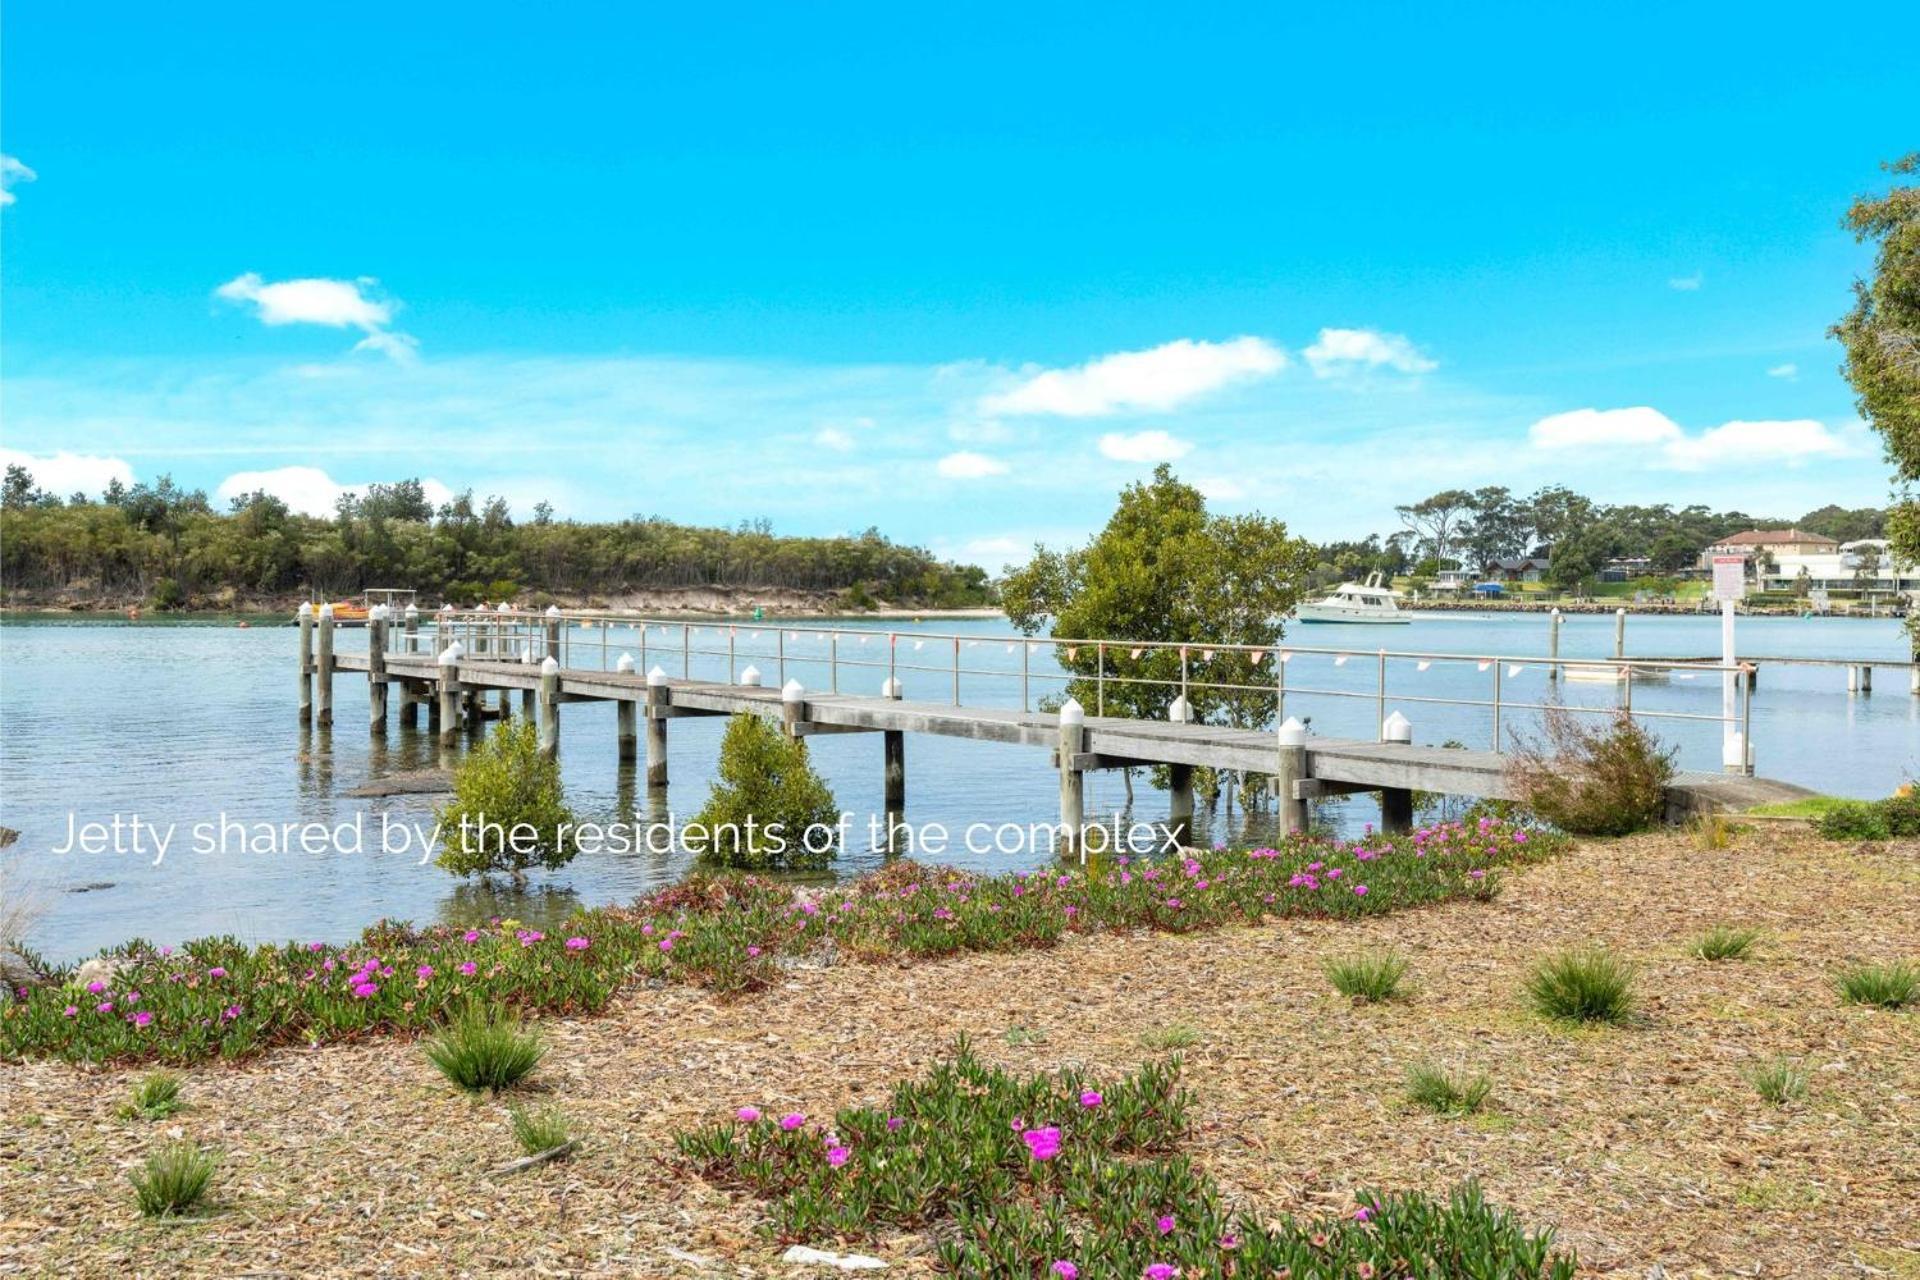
{"type": "Point", "coordinates": [1064, 1177]}
{"type": "Point", "coordinates": [217, 997]}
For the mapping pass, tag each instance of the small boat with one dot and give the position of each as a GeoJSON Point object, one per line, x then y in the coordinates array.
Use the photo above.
{"type": "Point", "coordinates": [1363, 602]}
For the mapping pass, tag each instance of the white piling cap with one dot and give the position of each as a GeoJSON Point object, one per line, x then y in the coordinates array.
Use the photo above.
{"type": "Point", "coordinates": [656, 677]}
{"type": "Point", "coordinates": [1620, 613]}
{"type": "Point", "coordinates": [625, 666]}
{"type": "Point", "coordinates": [413, 610]}
{"type": "Point", "coordinates": [793, 691]}
{"type": "Point", "coordinates": [549, 667]}
{"type": "Point", "coordinates": [553, 611]}
{"type": "Point", "coordinates": [379, 613]}
{"type": "Point", "coordinates": [306, 608]}
{"type": "Point", "coordinates": [526, 653]}
{"type": "Point", "coordinates": [1293, 733]}
{"type": "Point", "coordinates": [1396, 728]}
{"type": "Point", "coordinates": [446, 606]}
{"type": "Point", "coordinates": [890, 687]}
{"type": "Point", "coordinates": [1071, 712]}
{"type": "Point", "coordinates": [750, 676]}
{"type": "Point", "coordinates": [1180, 712]}
{"type": "Point", "coordinates": [1556, 612]}
{"type": "Point", "coordinates": [326, 610]}
{"type": "Point", "coordinates": [451, 654]}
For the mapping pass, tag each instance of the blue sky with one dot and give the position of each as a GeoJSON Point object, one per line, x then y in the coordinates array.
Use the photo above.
{"type": "Point", "coordinates": [961, 273]}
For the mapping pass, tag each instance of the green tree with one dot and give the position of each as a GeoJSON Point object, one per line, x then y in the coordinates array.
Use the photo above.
{"type": "Point", "coordinates": [768, 808]}
{"type": "Point", "coordinates": [1882, 340]}
{"type": "Point", "coordinates": [1435, 520]}
{"type": "Point", "coordinates": [509, 811]}
{"type": "Point", "coordinates": [1578, 558]}
{"type": "Point", "coordinates": [1166, 570]}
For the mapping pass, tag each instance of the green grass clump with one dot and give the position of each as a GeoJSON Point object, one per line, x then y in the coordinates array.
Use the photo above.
{"type": "Point", "coordinates": [1589, 985]}
{"type": "Point", "coordinates": [153, 1097]}
{"type": "Point", "coordinates": [485, 1051]}
{"type": "Point", "coordinates": [1855, 820]}
{"type": "Point", "coordinates": [540, 1130]}
{"type": "Point", "coordinates": [1724, 942]}
{"type": "Point", "coordinates": [1369, 975]}
{"type": "Point", "coordinates": [1176, 1035]}
{"type": "Point", "coordinates": [173, 1180]}
{"type": "Point", "coordinates": [1779, 1082]}
{"type": "Point", "coordinates": [1431, 1087]}
{"type": "Point", "coordinates": [1805, 807]}
{"type": "Point", "coordinates": [1885, 986]}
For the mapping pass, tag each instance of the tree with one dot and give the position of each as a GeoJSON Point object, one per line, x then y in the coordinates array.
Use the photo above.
{"type": "Point", "coordinates": [1882, 340]}
{"type": "Point", "coordinates": [1433, 520]}
{"type": "Point", "coordinates": [17, 493]}
{"type": "Point", "coordinates": [1557, 512]}
{"type": "Point", "coordinates": [1498, 528]}
{"type": "Point", "coordinates": [508, 810]}
{"type": "Point", "coordinates": [1164, 569]}
{"type": "Point", "coordinates": [1577, 559]}
{"type": "Point", "coordinates": [768, 807]}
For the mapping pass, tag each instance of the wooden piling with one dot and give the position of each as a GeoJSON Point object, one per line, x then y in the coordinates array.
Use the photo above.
{"type": "Point", "coordinates": [1180, 805]}
{"type": "Point", "coordinates": [659, 707]}
{"type": "Point", "coordinates": [1619, 633]}
{"type": "Point", "coordinates": [306, 662]}
{"type": "Point", "coordinates": [550, 708]}
{"type": "Point", "coordinates": [1396, 803]}
{"type": "Point", "coordinates": [553, 632]}
{"type": "Point", "coordinates": [448, 704]}
{"type": "Point", "coordinates": [1290, 767]}
{"type": "Point", "coordinates": [323, 713]}
{"type": "Point", "coordinates": [1073, 783]}
{"type": "Point", "coordinates": [410, 629]}
{"type": "Point", "coordinates": [626, 716]}
{"type": "Point", "coordinates": [377, 669]}
{"type": "Point", "coordinates": [1553, 646]}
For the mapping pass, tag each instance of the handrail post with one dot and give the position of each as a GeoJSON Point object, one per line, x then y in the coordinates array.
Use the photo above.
{"type": "Point", "coordinates": [956, 671]}
{"type": "Point", "coordinates": [893, 654]}
{"type": "Point", "coordinates": [780, 656]}
{"type": "Point", "coordinates": [686, 650]}
{"type": "Point", "coordinates": [1746, 723]}
{"type": "Point", "coordinates": [1100, 677]}
{"type": "Point", "coordinates": [1496, 706]}
{"type": "Point", "coordinates": [833, 662]}
{"type": "Point", "coordinates": [1380, 697]}
{"type": "Point", "coordinates": [1279, 686]}
{"type": "Point", "coordinates": [1183, 676]}
{"type": "Point", "coordinates": [1026, 663]}
{"type": "Point", "coordinates": [733, 636]}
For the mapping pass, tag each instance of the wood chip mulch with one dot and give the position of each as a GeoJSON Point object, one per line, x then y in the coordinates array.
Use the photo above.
{"type": "Point", "coordinates": [1643, 1147]}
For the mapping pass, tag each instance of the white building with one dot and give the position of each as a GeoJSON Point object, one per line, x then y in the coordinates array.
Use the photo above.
{"type": "Point", "coordinates": [1863, 565]}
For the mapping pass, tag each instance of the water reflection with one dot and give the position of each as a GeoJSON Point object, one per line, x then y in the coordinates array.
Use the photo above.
{"type": "Point", "coordinates": [476, 902]}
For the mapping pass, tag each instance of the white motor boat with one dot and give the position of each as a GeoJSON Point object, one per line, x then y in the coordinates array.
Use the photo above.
{"type": "Point", "coordinates": [1363, 602]}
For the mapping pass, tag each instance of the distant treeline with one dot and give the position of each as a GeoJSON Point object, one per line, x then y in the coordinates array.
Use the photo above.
{"type": "Point", "coordinates": [1471, 528]}
{"type": "Point", "coordinates": [167, 544]}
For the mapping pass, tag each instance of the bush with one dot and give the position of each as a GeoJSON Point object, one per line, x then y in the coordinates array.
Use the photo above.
{"type": "Point", "coordinates": [1370, 976]}
{"type": "Point", "coordinates": [1431, 1087]}
{"type": "Point", "coordinates": [1724, 942]}
{"type": "Point", "coordinates": [1583, 986]}
{"type": "Point", "coordinates": [540, 1130]}
{"type": "Point", "coordinates": [1779, 1082]}
{"type": "Point", "coordinates": [1902, 812]}
{"type": "Point", "coordinates": [485, 1051]}
{"type": "Point", "coordinates": [167, 594]}
{"type": "Point", "coordinates": [1591, 781]}
{"type": "Point", "coordinates": [173, 1180]}
{"type": "Point", "coordinates": [1884, 986]}
{"type": "Point", "coordinates": [508, 811]}
{"type": "Point", "coordinates": [154, 1097]}
{"type": "Point", "coordinates": [767, 804]}
{"type": "Point", "coordinates": [1855, 820]}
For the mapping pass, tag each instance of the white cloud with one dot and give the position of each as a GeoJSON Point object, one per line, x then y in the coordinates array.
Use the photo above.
{"type": "Point", "coordinates": [834, 438]}
{"type": "Point", "coordinates": [1338, 351]}
{"type": "Point", "coordinates": [1790, 371]}
{"type": "Point", "coordinates": [1662, 442]}
{"type": "Point", "coordinates": [1589, 428]}
{"type": "Point", "coordinates": [306, 489]}
{"type": "Point", "coordinates": [1687, 284]}
{"type": "Point", "coordinates": [12, 171]}
{"type": "Point", "coordinates": [1221, 488]}
{"type": "Point", "coordinates": [970, 466]}
{"type": "Point", "coordinates": [1144, 446]}
{"type": "Point", "coordinates": [337, 304]}
{"type": "Point", "coordinates": [1158, 379]}
{"type": "Point", "coordinates": [66, 473]}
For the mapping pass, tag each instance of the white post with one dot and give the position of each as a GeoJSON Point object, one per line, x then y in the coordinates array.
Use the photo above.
{"type": "Point", "coordinates": [1619, 633]}
{"type": "Point", "coordinates": [1553, 646]}
{"type": "Point", "coordinates": [659, 703]}
{"type": "Point", "coordinates": [1396, 803]}
{"type": "Point", "coordinates": [1073, 794]}
{"type": "Point", "coordinates": [1291, 767]}
{"type": "Point", "coordinates": [1733, 749]}
{"type": "Point", "coordinates": [793, 706]}
{"type": "Point", "coordinates": [550, 708]}
{"type": "Point", "coordinates": [626, 714]}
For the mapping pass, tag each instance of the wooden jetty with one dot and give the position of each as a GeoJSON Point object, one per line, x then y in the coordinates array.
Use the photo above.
{"type": "Point", "coordinates": [455, 686]}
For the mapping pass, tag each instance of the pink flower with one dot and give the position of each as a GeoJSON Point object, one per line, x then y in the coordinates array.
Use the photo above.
{"type": "Point", "coordinates": [1161, 1271]}
{"type": "Point", "coordinates": [666, 943]}
{"type": "Point", "coordinates": [231, 1012]}
{"type": "Point", "coordinates": [1042, 1144]}
{"type": "Point", "coordinates": [216, 972]}
{"type": "Point", "coordinates": [96, 987]}
{"type": "Point", "coordinates": [578, 944]}
{"type": "Point", "coordinates": [72, 1010]}
{"type": "Point", "coordinates": [837, 1156]}
{"type": "Point", "coordinates": [894, 1123]}
{"type": "Point", "coordinates": [1362, 1214]}
{"type": "Point", "coordinates": [1065, 1270]}
{"type": "Point", "coordinates": [1165, 1224]}
{"type": "Point", "coordinates": [1359, 891]}
{"type": "Point", "coordinates": [753, 953]}
{"type": "Point", "coordinates": [469, 968]}
{"type": "Point", "coordinates": [424, 971]}
{"type": "Point", "coordinates": [791, 1121]}
{"type": "Point", "coordinates": [140, 1019]}
{"type": "Point", "coordinates": [365, 990]}
{"type": "Point", "coordinates": [316, 946]}
{"type": "Point", "coordinates": [1091, 1099]}
{"type": "Point", "coordinates": [747, 1115]}
{"type": "Point", "coordinates": [105, 1006]}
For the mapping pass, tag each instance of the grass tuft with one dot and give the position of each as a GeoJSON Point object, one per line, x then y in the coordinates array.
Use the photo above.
{"type": "Point", "coordinates": [1368, 975]}
{"type": "Point", "coordinates": [1176, 1035]}
{"type": "Point", "coordinates": [1779, 1082]}
{"type": "Point", "coordinates": [1884, 986]}
{"type": "Point", "coordinates": [539, 1130]}
{"type": "Point", "coordinates": [1724, 942]}
{"type": "Point", "coordinates": [1431, 1087]}
{"type": "Point", "coordinates": [485, 1051]}
{"type": "Point", "coordinates": [1589, 985]}
{"type": "Point", "coordinates": [153, 1097]}
{"type": "Point", "coordinates": [173, 1180]}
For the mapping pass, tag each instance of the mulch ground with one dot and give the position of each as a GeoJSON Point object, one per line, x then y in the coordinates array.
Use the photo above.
{"type": "Point", "coordinates": [1642, 1147]}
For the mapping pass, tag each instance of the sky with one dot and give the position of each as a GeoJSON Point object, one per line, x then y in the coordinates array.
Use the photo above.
{"type": "Point", "coordinates": [960, 274]}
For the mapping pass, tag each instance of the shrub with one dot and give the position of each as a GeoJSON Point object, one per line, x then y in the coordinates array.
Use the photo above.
{"type": "Point", "coordinates": [1779, 1082]}
{"type": "Point", "coordinates": [1902, 812]}
{"type": "Point", "coordinates": [1855, 820]}
{"type": "Point", "coordinates": [1583, 986]}
{"type": "Point", "coordinates": [540, 1130]}
{"type": "Point", "coordinates": [1020, 1176]}
{"type": "Point", "coordinates": [1431, 1087]}
{"type": "Point", "coordinates": [485, 1050]}
{"type": "Point", "coordinates": [1371, 975]}
{"type": "Point", "coordinates": [1593, 781]}
{"type": "Point", "coordinates": [153, 1097]}
{"type": "Point", "coordinates": [1885, 986]}
{"type": "Point", "coordinates": [1724, 942]}
{"type": "Point", "coordinates": [508, 810]}
{"type": "Point", "coordinates": [768, 805]}
{"type": "Point", "coordinates": [173, 1180]}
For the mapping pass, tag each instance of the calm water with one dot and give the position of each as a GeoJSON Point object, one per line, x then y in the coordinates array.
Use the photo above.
{"type": "Point", "coordinates": [183, 724]}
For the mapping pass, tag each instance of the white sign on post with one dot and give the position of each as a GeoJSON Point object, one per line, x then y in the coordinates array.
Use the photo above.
{"type": "Point", "coordinates": [1729, 577]}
